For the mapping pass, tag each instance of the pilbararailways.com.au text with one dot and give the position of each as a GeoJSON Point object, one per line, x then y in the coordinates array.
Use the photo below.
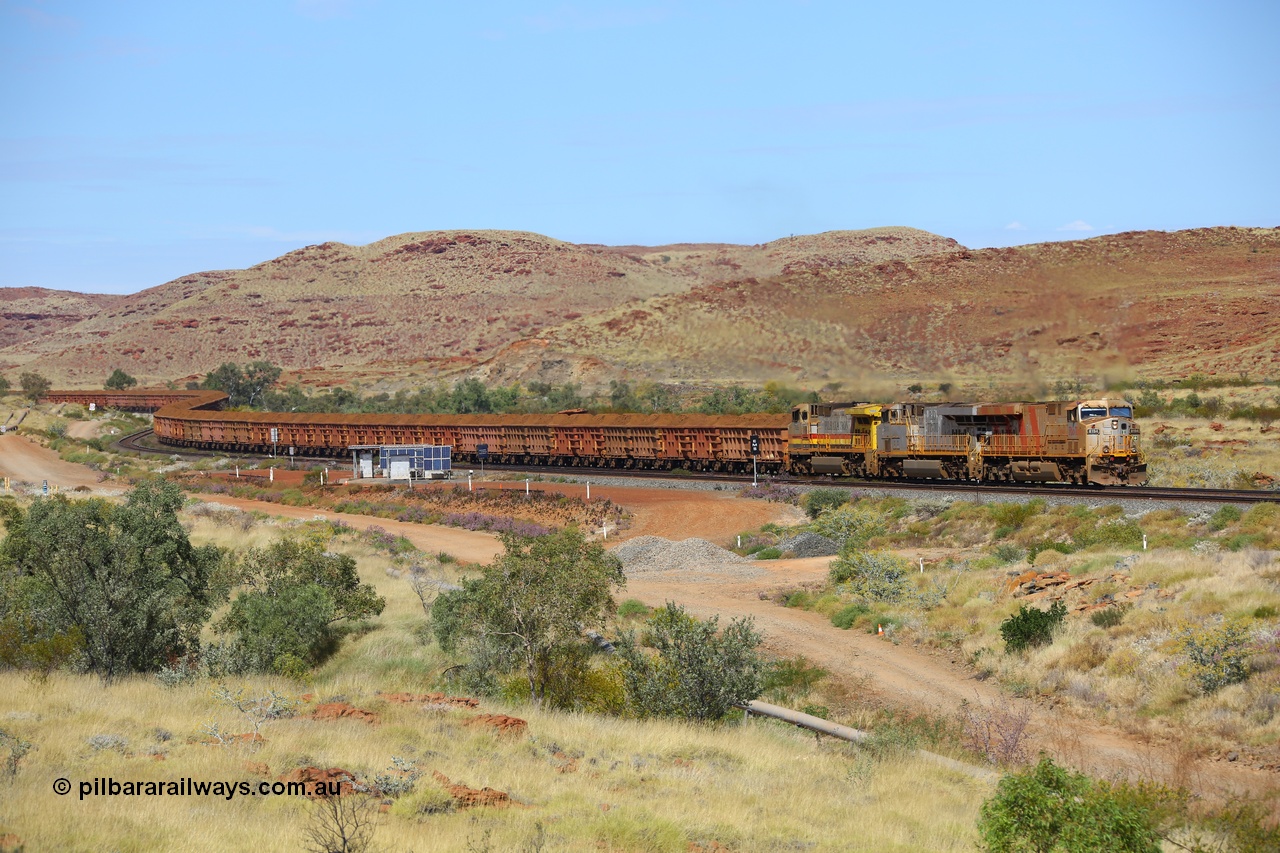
{"type": "Point", "coordinates": [188, 787]}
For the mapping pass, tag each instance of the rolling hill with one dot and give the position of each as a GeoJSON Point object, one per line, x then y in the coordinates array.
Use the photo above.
{"type": "Point", "coordinates": [886, 305]}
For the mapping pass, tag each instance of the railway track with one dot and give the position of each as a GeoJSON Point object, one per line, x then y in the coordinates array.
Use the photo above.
{"type": "Point", "coordinates": [136, 443]}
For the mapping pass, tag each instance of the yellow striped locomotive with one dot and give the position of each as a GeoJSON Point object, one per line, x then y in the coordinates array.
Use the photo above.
{"type": "Point", "coordinates": [1082, 442]}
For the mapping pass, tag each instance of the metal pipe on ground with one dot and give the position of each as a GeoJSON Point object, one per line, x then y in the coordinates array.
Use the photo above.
{"type": "Point", "coordinates": [826, 727]}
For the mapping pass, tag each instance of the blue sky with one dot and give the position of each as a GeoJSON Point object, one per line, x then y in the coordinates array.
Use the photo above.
{"type": "Point", "coordinates": [143, 141]}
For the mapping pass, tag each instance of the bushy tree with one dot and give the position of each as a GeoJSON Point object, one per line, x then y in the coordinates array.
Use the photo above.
{"type": "Point", "coordinates": [291, 595]}
{"type": "Point", "coordinates": [699, 672]}
{"type": "Point", "coordinates": [243, 385]}
{"type": "Point", "coordinates": [34, 385]}
{"type": "Point", "coordinates": [124, 578]}
{"type": "Point", "coordinates": [119, 380]}
{"type": "Point", "coordinates": [528, 609]}
{"type": "Point", "coordinates": [4, 386]}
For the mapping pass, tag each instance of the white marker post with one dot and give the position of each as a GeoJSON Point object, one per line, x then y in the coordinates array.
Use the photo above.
{"type": "Point", "coordinates": [588, 490]}
{"type": "Point", "coordinates": [526, 487]}
{"type": "Point", "coordinates": [922, 565]}
{"type": "Point", "coordinates": [469, 473]}
{"type": "Point", "coordinates": [1144, 541]}
{"type": "Point", "coordinates": [271, 474]}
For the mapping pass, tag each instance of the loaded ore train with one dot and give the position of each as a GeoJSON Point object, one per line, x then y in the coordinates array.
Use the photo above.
{"type": "Point", "coordinates": [1082, 442]}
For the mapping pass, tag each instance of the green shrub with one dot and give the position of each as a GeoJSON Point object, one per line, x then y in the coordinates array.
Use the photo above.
{"type": "Point", "coordinates": [1015, 515]}
{"type": "Point", "coordinates": [633, 607]}
{"type": "Point", "coordinates": [1048, 808]}
{"type": "Point", "coordinates": [1108, 617]}
{"type": "Point", "coordinates": [1216, 656]}
{"type": "Point", "coordinates": [1039, 547]}
{"type": "Point", "coordinates": [874, 575]}
{"type": "Point", "coordinates": [1124, 533]}
{"type": "Point", "coordinates": [790, 678]}
{"type": "Point", "coordinates": [1224, 517]}
{"type": "Point", "coordinates": [1266, 611]}
{"type": "Point", "coordinates": [848, 525]}
{"type": "Point", "coordinates": [847, 616]}
{"type": "Point", "coordinates": [699, 671]}
{"type": "Point", "coordinates": [769, 553]}
{"type": "Point", "coordinates": [1031, 627]}
{"type": "Point", "coordinates": [799, 599]}
{"type": "Point", "coordinates": [818, 500]}
{"type": "Point", "coordinates": [1007, 552]}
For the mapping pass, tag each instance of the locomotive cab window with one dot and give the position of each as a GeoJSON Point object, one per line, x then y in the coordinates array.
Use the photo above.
{"type": "Point", "coordinates": [1090, 412]}
{"type": "Point", "coordinates": [1121, 412]}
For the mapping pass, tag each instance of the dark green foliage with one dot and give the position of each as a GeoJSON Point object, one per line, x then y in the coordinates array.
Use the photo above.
{"type": "Point", "coordinates": [1223, 517]}
{"type": "Point", "coordinates": [291, 594]}
{"type": "Point", "coordinates": [34, 385]}
{"type": "Point", "coordinates": [699, 672]}
{"type": "Point", "coordinates": [1047, 809]}
{"type": "Point", "coordinates": [848, 616]}
{"type": "Point", "coordinates": [769, 553]}
{"type": "Point", "coordinates": [817, 500]}
{"type": "Point", "coordinates": [274, 631]}
{"type": "Point", "coordinates": [1031, 627]}
{"type": "Point", "coordinates": [4, 386]}
{"type": "Point", "coordinates": [1265, 611]}
{"type": "Point", "coordinates": [529, 607]}
{"type": "Point", "coordinates": [245, 385]}
{"type": "Point", "coordinates": [119, 381]}
{"type": "Point", "coordinates": [123, 578]}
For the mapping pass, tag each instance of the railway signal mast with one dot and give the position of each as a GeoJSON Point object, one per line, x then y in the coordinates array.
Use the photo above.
{"type": "Point", "coordinates": [755, 456]}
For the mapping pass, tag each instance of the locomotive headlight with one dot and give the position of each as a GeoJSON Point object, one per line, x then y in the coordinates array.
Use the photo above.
{"type": "Point", "coordinates": [1115, 424]}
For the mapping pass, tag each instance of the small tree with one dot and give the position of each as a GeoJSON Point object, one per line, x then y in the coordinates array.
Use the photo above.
{"type": "Point", "coordinates": [34, 385]}
{"type": "Point", "coordinates": [122, 578]}
{"type": "Point", "coordinates": [243, 385]}
{"type": "Point", "coordinates": [119, 380]}
{"type": "Point", "coordinates": [529, 607]}
{"type": "Point", "coordinates": [4, 386]}
{"type": "Point", "coordinates": [699, 672]}
{"type": "Point", "coordinates": [293, 592]}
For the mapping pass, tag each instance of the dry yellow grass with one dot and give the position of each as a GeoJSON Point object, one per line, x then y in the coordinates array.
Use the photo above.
{"type": "Point", "coordinates": [637, 785]}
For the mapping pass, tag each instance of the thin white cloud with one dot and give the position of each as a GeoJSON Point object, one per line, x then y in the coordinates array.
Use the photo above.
{"type": "Point", "coordinates": [1015, 226]}
{"type": "Point", "coordinates": [1077, 225]}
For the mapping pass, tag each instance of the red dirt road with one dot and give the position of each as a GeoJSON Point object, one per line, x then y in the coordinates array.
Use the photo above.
{"type": "Point", "coordinates": [24, 461]}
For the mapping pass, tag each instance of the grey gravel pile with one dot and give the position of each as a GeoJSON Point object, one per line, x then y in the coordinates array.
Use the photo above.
{"type": "Point", "coordinates": [691, 558]}
{"type": "Point", "coordinates": [809, 545]}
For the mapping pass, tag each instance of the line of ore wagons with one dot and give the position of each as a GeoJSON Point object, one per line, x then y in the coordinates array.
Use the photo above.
{"type": "Point", "coordinates": [1094, 441]}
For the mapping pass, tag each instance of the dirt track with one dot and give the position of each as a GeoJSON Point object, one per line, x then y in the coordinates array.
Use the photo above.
{"type": "Point", "coordinates": [24, 461]}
